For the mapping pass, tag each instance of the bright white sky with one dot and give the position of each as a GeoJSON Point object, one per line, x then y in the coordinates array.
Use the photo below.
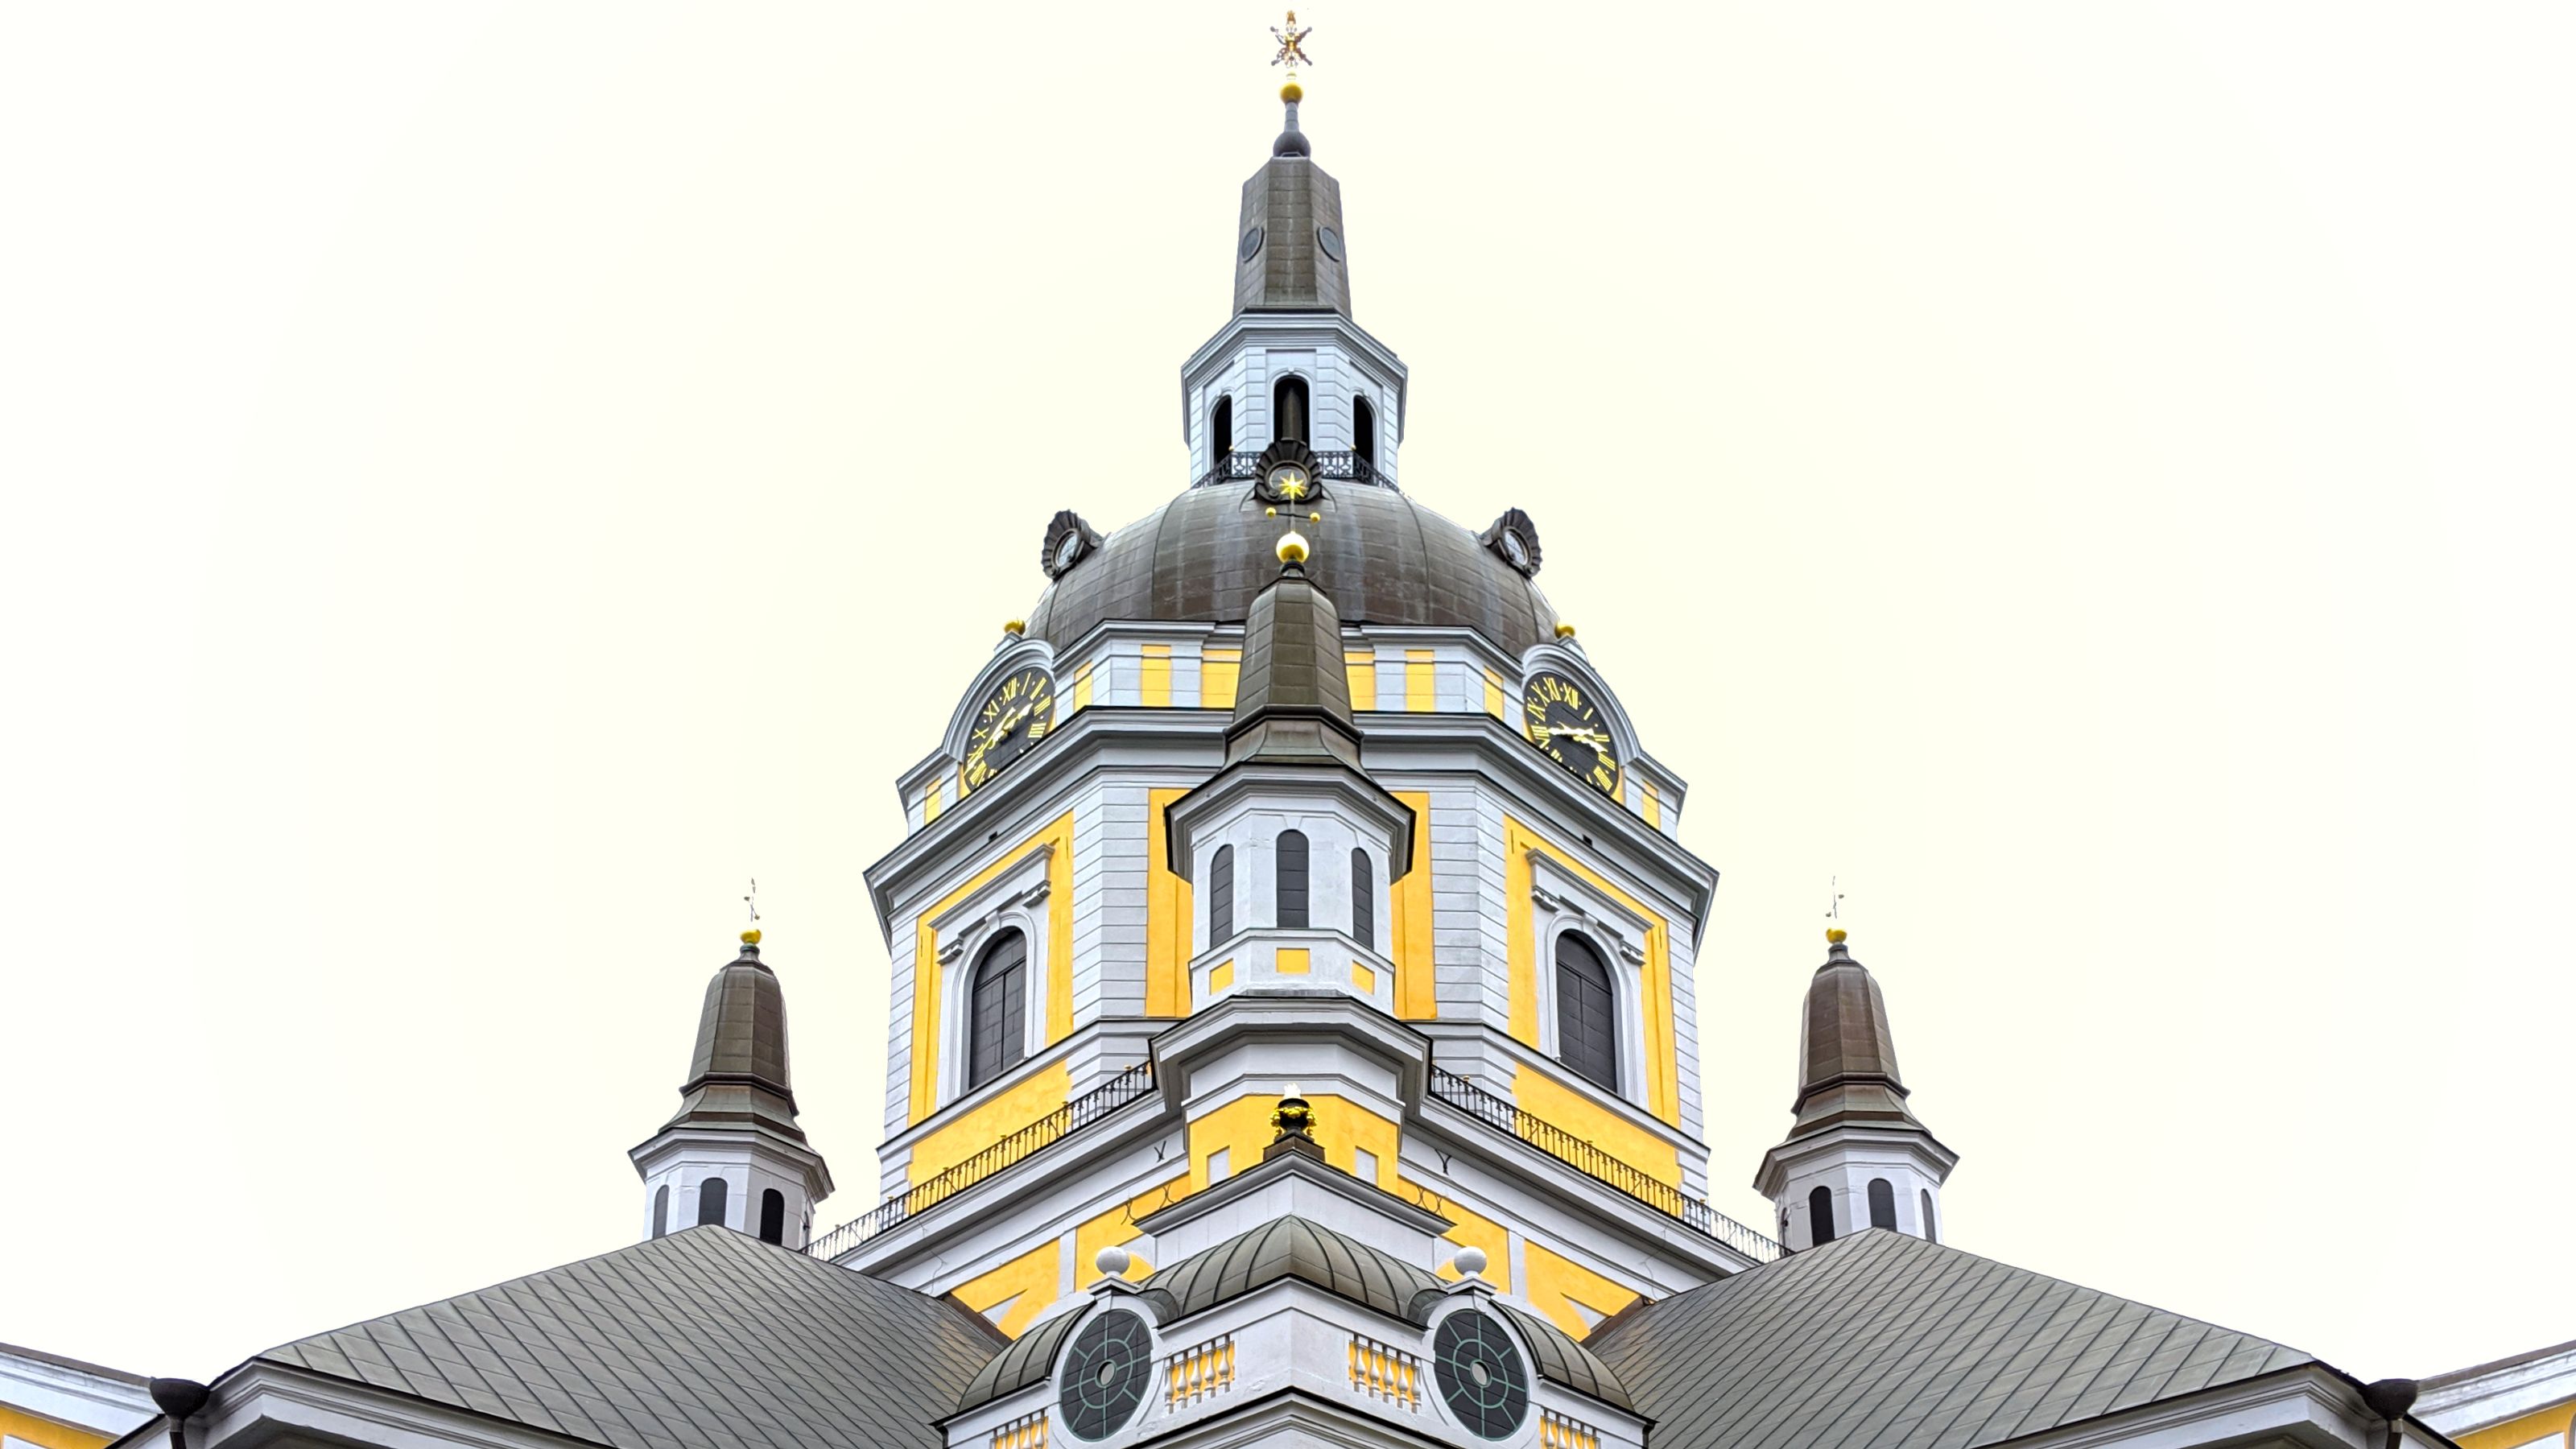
{"type": "Point", "coordinates": [482, 479]}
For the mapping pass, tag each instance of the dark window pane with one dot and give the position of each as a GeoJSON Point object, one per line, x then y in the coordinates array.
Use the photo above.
{"type": "Point", "coordinates": [1288, 410]}
{"type": "Point", "coordinates": [1363, 900]}
{"type": "Point", "coordinates": [1820, 1216]}
{"type": "Point", "coordinates": [1931, 1229]}
{"type": "Point", "coordinates": [1364, 433]}
{"type": "Point", "coordinates": [773, 1216]}
{"type": "Point", "coordinates": [1221, 896]}
{"type": "Point", "coordinates": [1220, 431]}
{"type": "Point", "coordinates": [1882, 1204]}
{"type": "Point", "coordinates": [1586, 1010]}
{"type": "Point", "coordinates": [661, 1210]}
{"type": "Point", "coordinates": [997, 1010]}
{"type": "Point", "coordinates": [1292, 878]}
{"type": "Point", "coordinates": [711, 1202]}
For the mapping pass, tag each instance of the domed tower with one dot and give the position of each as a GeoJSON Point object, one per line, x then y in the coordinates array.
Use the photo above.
{"type": "Point", "coordinates": [1226, 813]}
{"type": "Point", "coordinates": [1855, 1156]}
{"type": "Point", "coordinates": [733, 1154]}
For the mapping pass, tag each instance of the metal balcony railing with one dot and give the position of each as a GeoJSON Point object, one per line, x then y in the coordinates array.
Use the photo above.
{"type": "Point", "coordinates": [1335, 467]}
{"type": "Point", "coordinates": [1588, 1159]}
{"type": "Point", "coordinates": [1091, 1107]}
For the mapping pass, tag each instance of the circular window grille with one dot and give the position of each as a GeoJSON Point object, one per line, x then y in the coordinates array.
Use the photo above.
{"type": "Point", "coordinates": [1251, 245]}
{"type": "Point", "coordinates": [1480, 1373]}
{"type": "Point", "coordinates": [1105, 1374]}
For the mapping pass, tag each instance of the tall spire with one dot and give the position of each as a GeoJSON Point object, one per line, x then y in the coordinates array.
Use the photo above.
{"type": "Point", "coordinates": [738, 1071]}
{"type": "Point", "coordinates": [1846, 1055]}
{"type": "Point", "coordinates": [1288, 252]}
{"type": "Point", "coordinates": [1292, 702]}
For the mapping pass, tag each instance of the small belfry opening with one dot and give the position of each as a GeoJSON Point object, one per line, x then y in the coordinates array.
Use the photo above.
{"type": "Point", "coordinates": [711, 1202]}
{"type": "Point", "coordinates": [1220, 429]}
{"type": "Point", "coordinates": [1289, 410]}
{"type": "Point", "coordinates": [1364, 434]}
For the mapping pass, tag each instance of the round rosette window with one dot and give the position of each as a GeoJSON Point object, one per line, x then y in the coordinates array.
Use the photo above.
{"type": "Point", "coordinates": [1105, 1374]}
{"type": "Point", "coordinates": [1482, 1378]}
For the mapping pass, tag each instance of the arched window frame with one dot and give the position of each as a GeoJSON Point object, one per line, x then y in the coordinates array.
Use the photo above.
{"type": "Point", "coordinates": [1575, 953]}
{"type": "Point", "coordinates": [1292, 882]}
{"type": "Point", "coordinates": [1364, 430]}
{"type": "Point", "coordinates": [1931, 1219]}
{"type": "Point", "coordinates": [1563, 902]}
{"type": "Point", "coordinates": [773, 1216]}
{"type": "Point", "coordinates": [1882, 1204]}
{"type": "Point", "coordinates": [1221, 912]}
{"type": "Point", "coordinates": [1016, 898]}
{"type": "Point", "coordinates": [1220, 428]}
{"type": "Point", "coordinates": [713, 1199]}
{"type": "Point", "coordinates": [1280, 387]}
{"type": "Point", "coordinates": [1820, 1217]}
{"type": "Point", "coordinates": [997, 1039]}
{"type": "Point", "coordinates": [661, 1210]}
{"type": "Point", "coordinates": [1363, 898]}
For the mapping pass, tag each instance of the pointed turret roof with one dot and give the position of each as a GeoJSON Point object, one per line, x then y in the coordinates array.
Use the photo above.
{"type": "Point", "coordinates": [738, 1073]}
{"type": "Point", "coordinates": [1288, 257]}
{"type": "Point", "coordinates": [1292, 702]}
{"type": "Point", "coordinates": [1847, 1055]}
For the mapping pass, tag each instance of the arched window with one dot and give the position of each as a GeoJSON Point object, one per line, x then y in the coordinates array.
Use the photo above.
{"type": "Point", "coordinates": [661, 1210]}
{"type": "Point", "coordinates": [1220, 430]}
{"type": "Point", "coordinates": [1820, 1216]}
{"type": "Point", "coordinates": [711, 1202]}
{"type": "Point", "coordinates": [1882, 1204]}
{"type": "Point", "coordinates": [997, 1010]}
{"type": "Point", "coordinates": [1292, 878]}
{"type": "Point", "coordinates": [1221, 896]}
{"type": "Point", "coordinates": [1363, 900]}
{"type": "Point", "coordinates": [1931, 1229]}
{"type": "Point", "coordinates": [1364, 434]}
{"type": "Point", "coordinates": [773, 1216]}
{"type": "Point", "coordinates": [1586, 1039]}
{"type": "Point", "coordinates": [1288, 410]}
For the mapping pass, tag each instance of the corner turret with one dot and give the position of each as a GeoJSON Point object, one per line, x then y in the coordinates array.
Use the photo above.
{"type": "Point", "coordinates": [733, 1154]}
{"type": "Point", "coordinates": [1855, 1157]}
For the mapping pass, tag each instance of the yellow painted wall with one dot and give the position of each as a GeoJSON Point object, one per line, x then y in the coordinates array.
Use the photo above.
{"type": "Point", "coordinates": [46, 1432]}
{"type": "Point", "coordinates": [925, 959]}
{"type": "Point", "coordinates": [2513, 1433]}
{"type": "Point", "coordinates": [1554, 1284]}
{"type": "Point", "coordinates": [1082, 686]}
{"type": "Point", "coordinates": [1655, 983]}
{"type": "Point", "coordinates": [1018, 1106]}
{"type": "Point", "coordinates": [1410, 926]}
{"type": "Point", "coordinates": [1421, 681]}
{"type": "Point", "coordinates": [1156, 679]}
{"type": "Point", "coordinates": [1027, 1282]}
{"type": "Point", "coordinates": [1362, 667]}
{"type": "Point", "coordinates": [1118, 1225]}
{"type": "Point", "coordinates": [1168, 922]}
{"type": "Point", "coordinates": [1537, 1092]}
{"type": "Point", "coordinates": [1495, 704]}
{"type": "Point", "coordinates": [1219, 672]}
{"type": "Point", "coordinates": [1242, 1128]}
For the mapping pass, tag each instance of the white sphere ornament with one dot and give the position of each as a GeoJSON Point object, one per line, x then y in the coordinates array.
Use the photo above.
{"type": "Point", "coordinates": [1469, 1262]}
{"type": "Point", "coordinates": [1112, 1262]}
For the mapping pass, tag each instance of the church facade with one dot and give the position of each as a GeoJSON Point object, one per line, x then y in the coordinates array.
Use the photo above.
{"type": "Point", "coordinates": [1294, 1043]}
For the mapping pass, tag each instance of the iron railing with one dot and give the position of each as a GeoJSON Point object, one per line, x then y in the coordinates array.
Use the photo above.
{"type": "Point", "coordinates": [1587, 1158]}
{"type": "Point", "coordinates": [1092, 1106]}
{"type": "Point", "coordinates": [1335, 467]}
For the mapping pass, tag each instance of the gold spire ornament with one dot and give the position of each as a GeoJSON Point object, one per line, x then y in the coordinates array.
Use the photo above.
{"type": "Point", "coordinates": [1292, 49]}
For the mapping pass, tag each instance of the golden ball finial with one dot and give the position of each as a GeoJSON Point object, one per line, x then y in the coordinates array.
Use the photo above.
{"type": "Point", "coordinates": [1836, 936]}
{"type": "Point", "coordinates": [1270, 513]}
{"type": "Point", "coordinates": [1292, 547]}
{"type": "Point", "coordinates": [1015, 627]}
{"type": "Point", "coordinates": [1292, 93]}
{"type": "Point", "coordinates": [751, 938]}
{"type": "Point", "coordinates": [1565, 631]}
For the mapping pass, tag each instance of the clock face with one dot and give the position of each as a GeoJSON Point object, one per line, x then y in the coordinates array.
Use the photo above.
{"type": "Point", "coordinates": [1569, 729]}
{"type": "Point", "coordinates": [1105, 1373]}
{"type": "Point", "coordinates": [1481, 1376]}
{"type": "Point", "coordinates": [1067, 549]}
{"type": "Point", "coordinates": [1016, 715]}
{"type": "Point", "coordinates": [1515, 550]}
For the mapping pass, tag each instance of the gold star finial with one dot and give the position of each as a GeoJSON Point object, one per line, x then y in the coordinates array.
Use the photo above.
{"type": "Point", "coordinates": [1292, 49]}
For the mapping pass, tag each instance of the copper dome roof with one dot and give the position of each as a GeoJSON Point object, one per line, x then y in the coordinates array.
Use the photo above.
{"type": "Point", "coordinates": [1384, 559]}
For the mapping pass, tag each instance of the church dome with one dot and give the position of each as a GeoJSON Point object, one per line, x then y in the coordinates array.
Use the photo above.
{"type": "Point", "coordinates": [1384, 559]}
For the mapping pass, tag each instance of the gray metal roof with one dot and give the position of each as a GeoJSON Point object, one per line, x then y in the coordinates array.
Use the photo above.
{"type": "Point", "coordinates": [1291, 1247]}
{"type": "Point", "coordinates": [1206, 555]}
{"type": "Point", "coordinates": [1561, 1360]}
{"type": "Point", "coordinates": [1029, 1359]}
{"type": "Point", "coordinates": [1292, 702]}
{"type": "Point", "coordinates": [705, 1339]}
{"type": "Point", "coordinates": [1880, 1339]}
{"type": "Point", "coordinates": [1847, 1055]}
{"type": "Point", "coordinates": [738, 1070]}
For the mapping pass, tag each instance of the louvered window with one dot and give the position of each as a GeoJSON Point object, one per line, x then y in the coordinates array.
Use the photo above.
{"type": "Point", "coordinates": [1221, 897]}
{"type": "Point", "coordinates": [1586, 1013]}
{"type": "Point", "coordinates": [996, 1018]}
{"type": "Point", "coordinates": [1292, 878]}
{"type": "Point", "coordinates": [1363, 900]}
